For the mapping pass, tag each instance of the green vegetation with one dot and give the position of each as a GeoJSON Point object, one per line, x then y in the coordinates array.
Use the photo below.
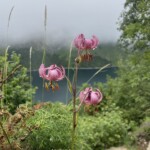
{"type": "Point", "coordinates": [135, 25]}
{"type": "Point", "coordinates": [50, 127]}
{"type": "Point", "coordinates": [130, 89]}
{"type": "Point", "coordinates": [53, 128]}
{"type": "Point", "coordinates": [17, 89]}
{"type": "Point", "coordinates": [123, 116]}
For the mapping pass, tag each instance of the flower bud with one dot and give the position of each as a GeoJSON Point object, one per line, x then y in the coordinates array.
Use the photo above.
{"type": "Point", "coordinates": [78, 60]}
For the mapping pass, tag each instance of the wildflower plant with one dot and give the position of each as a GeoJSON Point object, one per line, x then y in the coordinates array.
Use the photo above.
{"type": "Point", "coordinates": [53, 73]}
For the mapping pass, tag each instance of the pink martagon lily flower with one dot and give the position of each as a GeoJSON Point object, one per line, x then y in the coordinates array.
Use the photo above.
{"type": "Point", "coordinates": [55, 73]}
{"type": "Point", "coordinates": [90, 97]}
{"type": "Point", "coordinates": [86, 44]}
{"type": "Point", "coordinates": [52, 73]}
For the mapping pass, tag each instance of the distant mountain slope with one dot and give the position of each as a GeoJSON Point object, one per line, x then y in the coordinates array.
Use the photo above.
{"type": "Point", "coordinates": [104, 54]}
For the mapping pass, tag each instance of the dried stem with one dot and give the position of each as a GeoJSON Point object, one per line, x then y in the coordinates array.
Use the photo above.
{"type": "Point", "coordinates": [9, 76]}
{"type": "Point", "coordinates": [5, 134]}
{"type": "Point", "coordinates": [3, 81]}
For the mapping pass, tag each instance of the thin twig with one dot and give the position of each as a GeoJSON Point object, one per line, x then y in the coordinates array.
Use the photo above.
{"type": "Point", "coordinates": [5, 134]}
{"type": "Point", "coordinates": [10, 75]}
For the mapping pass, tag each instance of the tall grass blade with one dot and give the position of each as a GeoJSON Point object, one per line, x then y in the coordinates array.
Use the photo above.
{"type": "Point", "coordinates": [5, 71]}
{"type": "Point", "coordinates": [95, 74]}
{"type": "Point", "coordinates": [44, 50]}
{"type": "Point", "coordinates": [45, 25]}
{"type": "Point", "coordinates": [9, 17]}
{"type": "Point", "coordinates": [30, 56]}
{"type": "Point", "coordinates": [68, 67]}
{"type": "Point", "coordinates": [45, 17]}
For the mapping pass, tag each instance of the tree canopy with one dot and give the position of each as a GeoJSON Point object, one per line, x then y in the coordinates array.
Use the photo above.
{"type": "Point", "coordinates": [135, 25]}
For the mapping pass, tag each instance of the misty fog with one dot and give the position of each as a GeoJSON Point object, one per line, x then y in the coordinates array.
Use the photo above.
{"type": "Point", "coordinates": [65, 19]}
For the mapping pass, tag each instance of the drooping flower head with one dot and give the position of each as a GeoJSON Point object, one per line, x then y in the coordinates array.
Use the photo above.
{"type": "Point", "coordinates": [90, 96]}
{"type": "Point", "coordinates": [81, 43]}
{"type": "Point", "coordinates": [52, 73]}
{"type": "Point", "coordinates": [55, 73]}
{"type": "Point", "coordinates": [86, 44]}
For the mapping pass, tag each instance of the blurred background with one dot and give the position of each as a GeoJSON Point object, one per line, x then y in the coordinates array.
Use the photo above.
{"type": "Point", "coordinates": [22, 26]}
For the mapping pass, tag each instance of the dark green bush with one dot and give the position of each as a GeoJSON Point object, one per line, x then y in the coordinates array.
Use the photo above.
{"type": "Point", "coordinates": [17, 90]}
{"type": "Point", "coordinates": [130, 89]}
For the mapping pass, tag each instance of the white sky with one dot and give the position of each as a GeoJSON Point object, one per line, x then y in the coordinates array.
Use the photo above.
{"type": "Point", "coordinates": [65, 18]}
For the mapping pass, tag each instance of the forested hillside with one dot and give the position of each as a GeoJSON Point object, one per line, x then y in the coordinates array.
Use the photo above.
{"type": "Point", "coordinates": [104, 54]}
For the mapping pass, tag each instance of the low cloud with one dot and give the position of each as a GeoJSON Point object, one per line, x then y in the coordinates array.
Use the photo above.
{"type": "Point", "coordinates": [65, 19]}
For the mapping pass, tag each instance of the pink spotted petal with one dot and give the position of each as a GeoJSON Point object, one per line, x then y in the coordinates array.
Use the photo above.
{"type": "Point", "coordinates": [95, 42]}
{"type": "Point", "coordinates": [96, 97]}
{"type": "Point", "coordinates": [79, 42]}
{"type": "Point", "coordinates": [42, 71]}
{"type": "Point", "coordinates": [55, 73]}
{"type": "Point", "coordinates": [90, 97]}
{"type": "Point", "coordinates": [88, 44]}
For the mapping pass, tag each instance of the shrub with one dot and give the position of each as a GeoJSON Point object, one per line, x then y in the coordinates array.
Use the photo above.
{"type": "Point", "coordinates": [50, 127]}
{"type": "Point", "coordinates": [17, 90]}
{"type": "Point", "coordinates": [130, 89]}
{"type": "Point", "coordinates": [54, 127]}
{"type": "Point", "coordinates": [104, 130]}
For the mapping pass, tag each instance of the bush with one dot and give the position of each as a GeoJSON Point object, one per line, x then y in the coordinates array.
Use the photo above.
{"type": "Point", "coordinates": [104, 130]}
{"type": "Point", "coordinates": [50, 127]}
{"type": "Point", "coordinates": [54, 128]}
{"type": "Point", "coordinates": [130, 89]}
{"type": "Point", "coordinates": [17, 90]}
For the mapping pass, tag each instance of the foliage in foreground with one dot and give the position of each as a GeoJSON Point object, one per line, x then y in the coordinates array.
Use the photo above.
{"type": "Point", "coordinates": [50, 127]}
{"type": "Point", "coordinates": [54, 126]}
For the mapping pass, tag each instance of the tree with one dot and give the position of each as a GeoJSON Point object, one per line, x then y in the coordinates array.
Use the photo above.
{"type": "Point", "coordinates": [135, 25]}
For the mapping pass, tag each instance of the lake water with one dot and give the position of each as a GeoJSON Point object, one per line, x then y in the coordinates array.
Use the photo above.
{"type": "Point", "coordinates": [60, 95]}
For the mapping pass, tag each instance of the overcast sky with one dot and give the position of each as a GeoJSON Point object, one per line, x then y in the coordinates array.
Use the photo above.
{"type": "Point", "coordinates": [65, 19]}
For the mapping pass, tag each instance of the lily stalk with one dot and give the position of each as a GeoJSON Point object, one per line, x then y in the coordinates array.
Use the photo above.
{"type": "Point", "coordinates": [74, 91]}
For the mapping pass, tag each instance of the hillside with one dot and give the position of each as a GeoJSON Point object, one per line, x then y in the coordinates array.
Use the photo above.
{"type": "Point", "coordinates": [58, 54]}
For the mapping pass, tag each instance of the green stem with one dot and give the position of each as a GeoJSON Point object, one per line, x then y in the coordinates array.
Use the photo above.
{"type": "Point", "coordinates": [5, 134]}
{"type": "Point", "coordinates": [74, 107]}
